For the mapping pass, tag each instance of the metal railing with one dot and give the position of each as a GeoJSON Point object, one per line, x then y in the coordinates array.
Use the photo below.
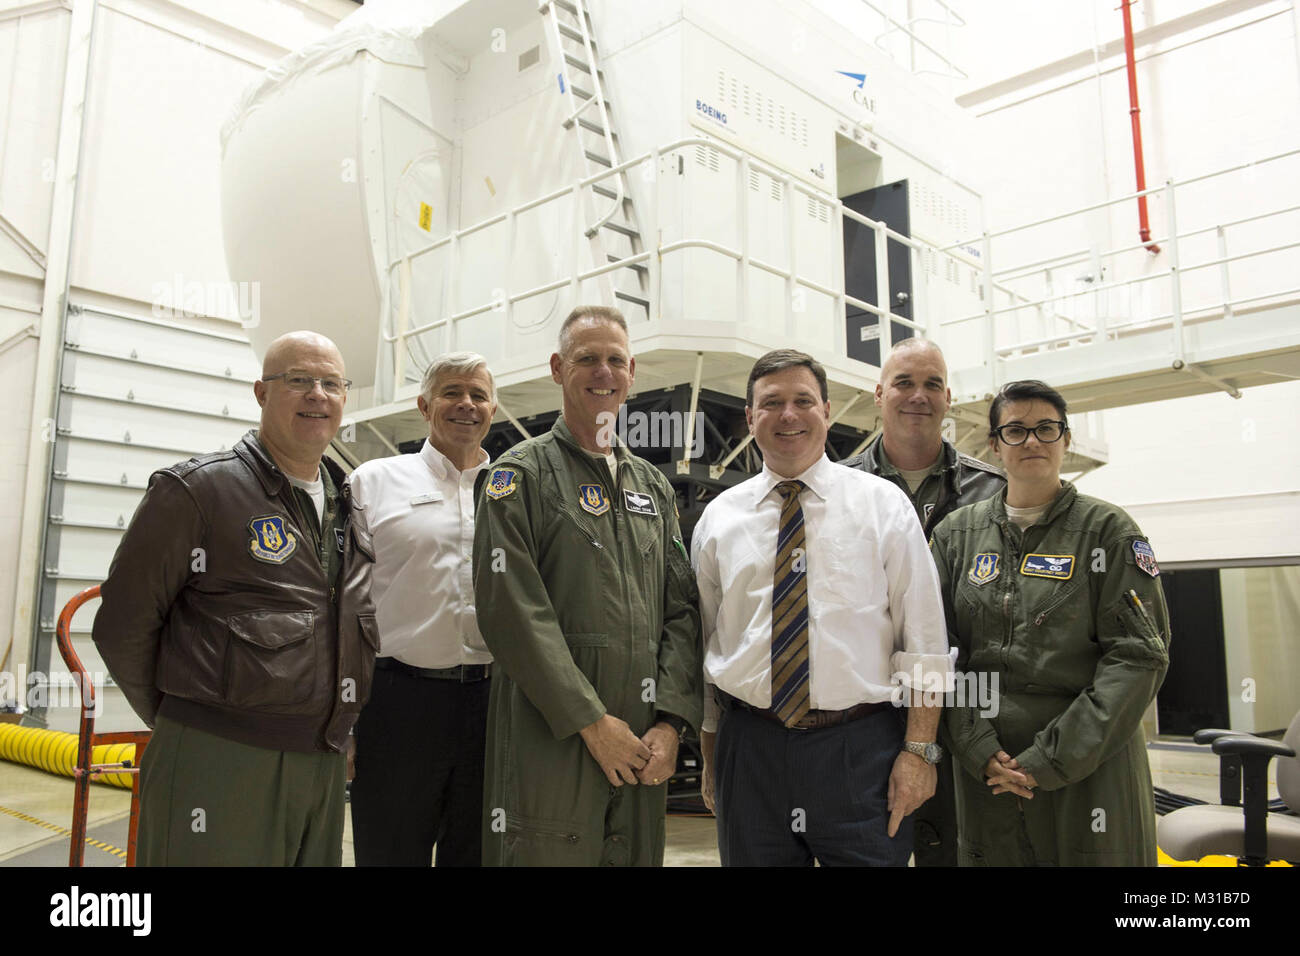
{"type": "Point", "coordinates": [795, 275]}
{"type": "Point", "coordinates": [1222, 304]}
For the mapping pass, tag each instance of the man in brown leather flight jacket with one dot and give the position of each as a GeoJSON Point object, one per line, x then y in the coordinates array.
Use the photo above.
{"type": "Point", "coordinates": [237, 620]}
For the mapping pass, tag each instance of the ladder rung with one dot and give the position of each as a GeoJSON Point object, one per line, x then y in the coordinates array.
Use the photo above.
{"type": "Point", "coordinates": [577, 64]}
{"type": "Point", "coordinates": [565, 5]}
{"type": "Point", "coordinates": [605, 191]}
{"type": "Point", "coordinates": [629, 297]}
{"type": "Point", "coordinates": [580, 92]}
{"type": "Point", "coordinates": [639, 266]}
{"type": "Point", "coordinates": [596, 128]}
{"type": "Point", "coordinates": [622, 229]}
{"type": "Point", "coordinates": [597, 158]}
{"type": "Point", "coordinates": [569, 33]}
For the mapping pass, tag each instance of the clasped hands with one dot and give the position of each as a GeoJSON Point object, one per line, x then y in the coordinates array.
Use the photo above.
{"type": "Point", "coordinates": [625, 758]}
{"type": "Point", "coordinates": [1005, 775]}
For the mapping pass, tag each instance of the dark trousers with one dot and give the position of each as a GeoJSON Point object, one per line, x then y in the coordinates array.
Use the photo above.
{"type": "Point", "coordinates": [209, 801]}
{"type": "Point", "coordinates": [787, 797]}
{"type": "Point", "coordinates": [419, 772]}
{"type": "Point", "coordinates": [936, 821]}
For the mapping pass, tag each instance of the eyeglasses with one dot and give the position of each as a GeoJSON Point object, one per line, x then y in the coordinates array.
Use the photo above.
{"type": "Point", "coordinates": [1045, 432]}
{"type": "Point", "coordinates": [302, 382]}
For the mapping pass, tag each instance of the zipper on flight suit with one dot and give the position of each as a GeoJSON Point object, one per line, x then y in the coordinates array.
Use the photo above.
{"type": "Point", "coordinates": [620, 533]}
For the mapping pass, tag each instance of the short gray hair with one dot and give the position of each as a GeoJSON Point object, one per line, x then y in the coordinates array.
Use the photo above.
{"type": "Point", "coordinates": [602, 313]}
{"type": "Point", "coordinates": [455, 362]}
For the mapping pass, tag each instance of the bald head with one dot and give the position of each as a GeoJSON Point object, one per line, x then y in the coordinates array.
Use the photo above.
{"type": "Point", "coordinates": [302, 403]}
{"type": "Point", "coordinates": [914, 346]}
{"type": "Point", "coordinates": [284, 351]}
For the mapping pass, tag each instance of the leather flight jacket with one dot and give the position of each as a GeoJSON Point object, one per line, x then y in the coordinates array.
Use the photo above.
{"type": "Point", "coordinates": [965, 480]}
{"type": "Point", "coordinates": [217, 612]}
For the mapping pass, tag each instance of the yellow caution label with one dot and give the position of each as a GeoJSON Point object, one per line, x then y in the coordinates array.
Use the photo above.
{"type": "Point", "coordinates": [426, 217]}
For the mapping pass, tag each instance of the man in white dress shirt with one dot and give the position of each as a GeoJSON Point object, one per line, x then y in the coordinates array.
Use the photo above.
{"type": "Point", "coordinates": [820, 606]}
{"type": "Point", "coordinates": [420, 739]}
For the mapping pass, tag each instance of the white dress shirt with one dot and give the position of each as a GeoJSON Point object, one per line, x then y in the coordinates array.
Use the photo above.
{"type": "Point", "coordinates": [875, 617]}
{"type": "Point", "coordinates": [420, 510]}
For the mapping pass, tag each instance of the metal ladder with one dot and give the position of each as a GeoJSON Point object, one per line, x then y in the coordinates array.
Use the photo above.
{"type": "Point", "coordinates": [613, 232]}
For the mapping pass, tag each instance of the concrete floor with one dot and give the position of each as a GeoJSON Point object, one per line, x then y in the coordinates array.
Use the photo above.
{"type": "Point", "coordinates": [36, 810]}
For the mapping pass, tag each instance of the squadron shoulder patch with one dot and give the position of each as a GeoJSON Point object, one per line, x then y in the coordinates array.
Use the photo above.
{"type": "Point", "coordinates": [639, 503]}
{"type": "Point", "coordinates": [983, 569]}
{"type": "Point", "coordinates": [272, 542]}
{"type": "Point", "coordinates": [1059, 567]}
{"type": "Point", "coordinates": [592, 499]}
{"type": "Point", "coordinates": [1146, 558]}
{"type": "Point", "coordinates": [502, 482]}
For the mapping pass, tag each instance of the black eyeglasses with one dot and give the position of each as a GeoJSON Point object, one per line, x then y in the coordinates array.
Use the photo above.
{"type": "Point", "coordinates": [302, 382]}
{"type": "Point", "coordinates": [1045, 432]}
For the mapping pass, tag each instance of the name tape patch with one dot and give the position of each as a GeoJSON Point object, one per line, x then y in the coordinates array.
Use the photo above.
{"type": "Point", "coordinates": [638, 503]}
{"type": "Point", "coordinates": [1059, 567]}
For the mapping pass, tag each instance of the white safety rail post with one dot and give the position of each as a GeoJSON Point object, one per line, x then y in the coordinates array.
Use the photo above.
{"type": "Point", "coordinates": [684, 465]}
{"type": "Point", "coordinates": [403, 320]}
{"type": "Point", "coordinates": [575, 248]}
{"type": "Point", "coordinates": [512, 229]}
{"type": "Point", "coordinates": [1222, 245]}
{"type": "Point", "coordinates": [787, 208]}
{"type": "Point", "coordinates": [882, 288]}
{"type": "Point", "coordinates": [652, 238]}
{"type": "Point", "coordinates": [450, 293]}
{"type": "Point", "coordinates": [990, 332]}
{"type": "Point", "coordinates": [742, 241]}
{"type": "Point", "coordinates": [840, 312]}
{"type": "Point", "coordinates": [1176, 279]}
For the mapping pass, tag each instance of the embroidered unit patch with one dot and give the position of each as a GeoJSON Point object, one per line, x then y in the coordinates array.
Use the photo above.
{"type": "Point", "coordinates": [1059, 567]}
{"type": "Point", "coordinates": [501, 483]}
{"type": "Point", "coordinates": [1146, 558]}
{"type": "Point", "coordinates": [984, 568]}
{"type": "Point", "coordinates": [592, 499]}
{"type": "Point", "coordinates": [272, 542]}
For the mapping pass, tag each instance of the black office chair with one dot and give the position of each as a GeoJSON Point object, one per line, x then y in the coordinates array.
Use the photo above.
{"type": "Point", "coordinates": [1241, 825]}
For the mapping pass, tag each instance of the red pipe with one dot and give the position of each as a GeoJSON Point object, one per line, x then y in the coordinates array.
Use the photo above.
{"type": "Point", "coordinates": [1144, 227]}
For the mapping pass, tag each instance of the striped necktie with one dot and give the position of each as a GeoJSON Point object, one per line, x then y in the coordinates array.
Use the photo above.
{"type": "Point", "coordinates": [790, 611]}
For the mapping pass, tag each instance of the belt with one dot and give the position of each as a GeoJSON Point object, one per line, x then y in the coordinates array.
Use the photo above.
{"type": "Point", "coordinates": [813, 720]}
{"type": "Point", "coordinates": [465, 673]}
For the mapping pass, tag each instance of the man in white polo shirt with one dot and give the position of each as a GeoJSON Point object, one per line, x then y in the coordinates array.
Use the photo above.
{"type": "Point", "coordinates": [420, 740]}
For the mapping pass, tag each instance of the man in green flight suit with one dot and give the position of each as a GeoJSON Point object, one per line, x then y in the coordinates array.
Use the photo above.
{"type": "Point", "coordinates": [586, 599]}
{"type": "Point", "coordinates": [914, 398]}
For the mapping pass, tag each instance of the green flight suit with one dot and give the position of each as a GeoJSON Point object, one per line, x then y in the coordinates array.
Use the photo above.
{"type": "Point", "coordinates": [586, 599]}
{"type": "Point", "coordinates": [1048, 612]}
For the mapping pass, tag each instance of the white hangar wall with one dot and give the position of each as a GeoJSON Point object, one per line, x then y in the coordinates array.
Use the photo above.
{"type": "Point", "coordinates": [162, 77]}
{"type": "Point", "coordinates": [1211, 479]}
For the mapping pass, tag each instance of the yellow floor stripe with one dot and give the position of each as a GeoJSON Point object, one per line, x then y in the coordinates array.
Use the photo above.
{"type": "Point", "coordinates": [97, 844]}
{"type": "Point", "coordinates": [1164, 859]}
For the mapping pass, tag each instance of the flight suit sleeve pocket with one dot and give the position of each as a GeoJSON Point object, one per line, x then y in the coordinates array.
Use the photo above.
{"type": "Point", "coordinates": [270, 659]}
{"type": "Point", "coordinates": [1148, 648]}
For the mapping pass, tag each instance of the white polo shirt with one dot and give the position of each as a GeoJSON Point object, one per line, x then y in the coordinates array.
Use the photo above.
{"type": "Point", "coordinates": [420, 510]}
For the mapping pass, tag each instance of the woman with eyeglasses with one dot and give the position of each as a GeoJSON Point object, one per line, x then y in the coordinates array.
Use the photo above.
{"type": "Point", "coordinates": [1053, 601]}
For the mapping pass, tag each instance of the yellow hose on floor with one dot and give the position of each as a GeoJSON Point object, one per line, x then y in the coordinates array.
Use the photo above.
{"type": "Point", "coordinates": [56, 752]}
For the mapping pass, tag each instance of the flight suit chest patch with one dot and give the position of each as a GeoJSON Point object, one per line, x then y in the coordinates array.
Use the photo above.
{"type": "Point", "coordinates": [592, 499]}
{"type": "Point", "coordinates": [984, 568]}
{"type": "Point", "coordinates": [1059, 567]}
{"type": "Point", "coordinates": [272, 542]}
{"type": "Point", "coordinates": [638, 503]}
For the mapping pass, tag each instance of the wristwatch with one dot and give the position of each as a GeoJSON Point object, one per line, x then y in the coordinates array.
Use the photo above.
{"type": "Point", "coordinates": [672, 720]}
{"type": "Point", "coordinates": [930, 753]}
